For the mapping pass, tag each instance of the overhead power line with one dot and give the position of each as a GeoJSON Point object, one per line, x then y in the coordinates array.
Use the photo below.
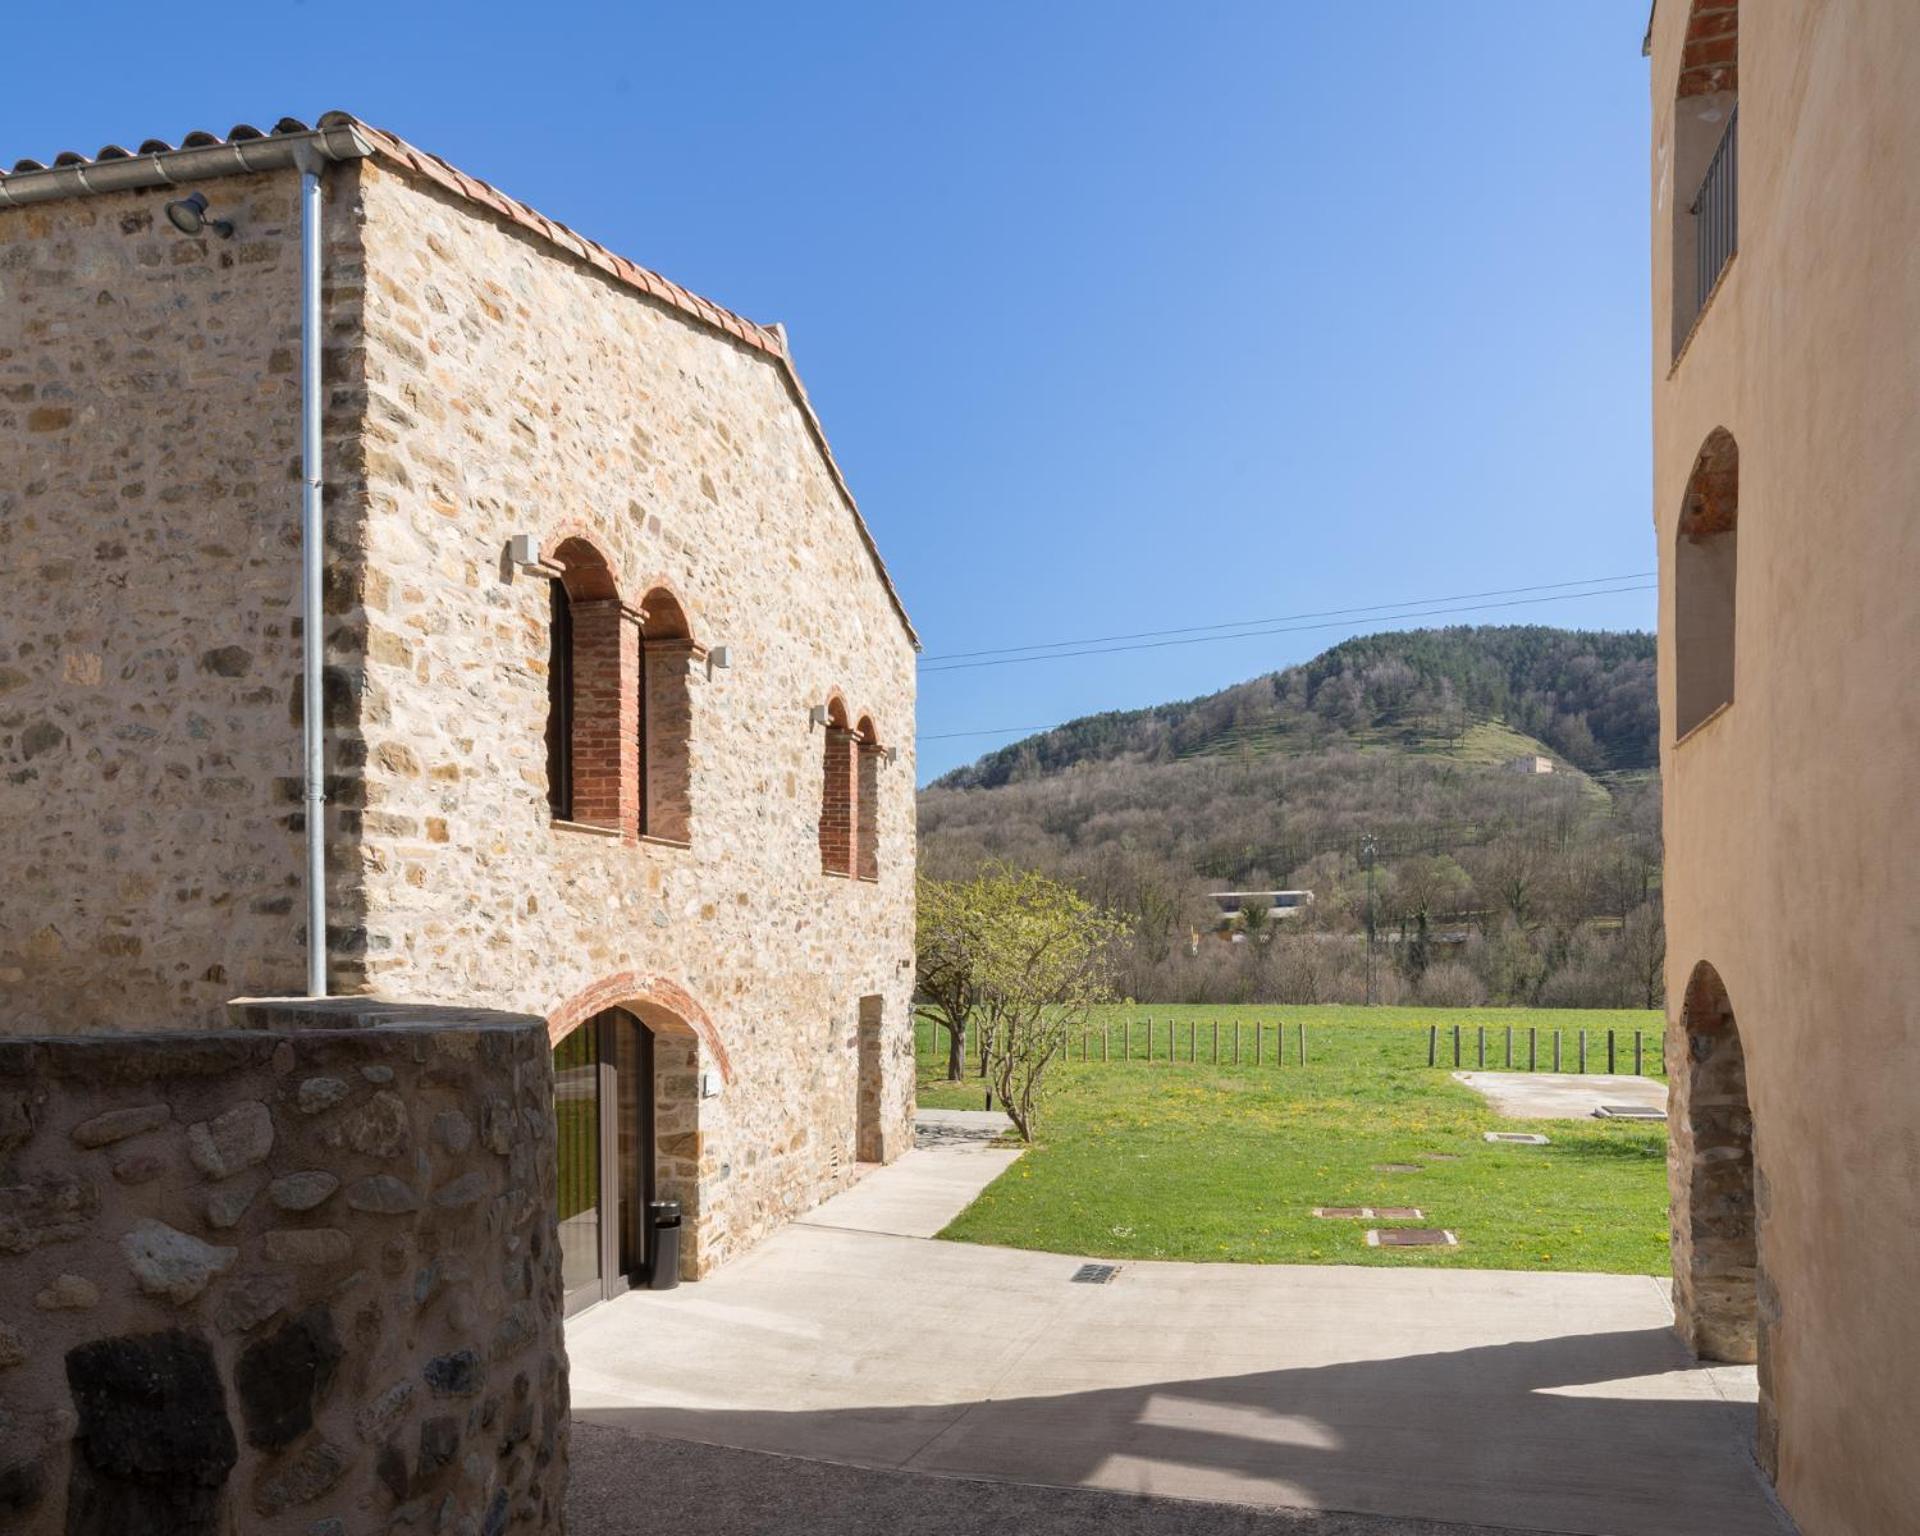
{"type": "Point", "coordinates": [1370, 617]}
{"type": "Point", "coordinates": [1284, 618]}
{"type": "Point", "coordinates": [1004, 730]}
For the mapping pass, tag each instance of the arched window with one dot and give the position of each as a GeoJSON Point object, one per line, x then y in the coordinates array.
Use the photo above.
{"type": "Point", "coordinates": [665, 725]}
{"type": "Point", "coordinates": [1705, 565]}
{"type": "Point", "coordinates": [837, 792]}
{"type": "Point", "coordinates": [1705, 159]}
{"type": "Point", "coordinates": [866, 796]}
{"type": "Point", "coordinates": [589, 714]}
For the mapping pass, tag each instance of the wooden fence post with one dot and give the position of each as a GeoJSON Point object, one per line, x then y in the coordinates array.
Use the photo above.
{"type": "Point", "coordinates": [1533, 1048]}
{"type": "Point", "coordinates": [1456, 1047]}
{"type": "Point", "coordinates": [1259, 1038]}
{"type": "Point", "coordinates": [1433, 1045]}
{"type": "Point", "coordinates": [1583, 1050]}
{"type": "Point", "coordinates": [1302, 1026]}
{"type": "Point", "coordinates": [1556, 1047]}
{"type": "Point", "coordinates": [1509, 1047]}
{"type": "Point", "coordinates": [1236, 1042]}
{"type": "Point", "coordinates": [1216, 1042]}
{"type": "Point", "coordinates": [1609, 1052]}
{"type": "Point", "coordinates": [1637, 1058]}
{"type": "Point", "coordinates": [1480, 1058]}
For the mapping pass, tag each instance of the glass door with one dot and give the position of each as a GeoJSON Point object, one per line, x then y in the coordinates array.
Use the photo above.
{"type": "Point", "coordinates": [603, 1114]}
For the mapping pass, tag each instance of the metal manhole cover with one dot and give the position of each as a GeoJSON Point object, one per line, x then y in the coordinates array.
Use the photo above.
{"type": "Point", "coordinates": [1629, 1112]}
{"type": "Point", "coordinates": [1411, 1237]}
{"type": "Point", "coordinates": [1516, 1138]}
{"type": "Point", "coordinates": [1095, 1274]}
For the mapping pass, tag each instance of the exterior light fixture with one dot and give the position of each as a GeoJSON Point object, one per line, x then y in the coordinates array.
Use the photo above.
{"type": "Point", "coordinates": [720, 658]}
{"type": "Point", "coordinates": [189, 216]}
{"type": "Point", "coordinates": [893, 756]}
{"type": "Point", "coordinates": [523, 549]}
{"type": "Point", "coordinates": [817, 715]}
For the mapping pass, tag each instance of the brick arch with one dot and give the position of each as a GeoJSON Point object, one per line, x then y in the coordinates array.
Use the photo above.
{"type": "Point", "coordinates": [662, 1004]}
{"type": "Point", "coordinates": [866, 730]}
{"type": "Point", "coordinates": [838, 715]}
{"type": "Point", "coordinates": [668, 614]}
{"type": "Point", "coordinates": [585, 570]}
{"type": "Point", "coordinates": [1706, 563]}
{"type": "Point", "coordinates": [1710, 53]}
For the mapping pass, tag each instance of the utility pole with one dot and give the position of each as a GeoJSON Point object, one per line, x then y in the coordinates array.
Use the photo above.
{"type": "Point", "coordinates": [1368, 848]}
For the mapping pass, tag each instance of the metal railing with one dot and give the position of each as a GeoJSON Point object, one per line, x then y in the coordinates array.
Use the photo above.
{"type": "Point", "coordinates": [1715, 210]}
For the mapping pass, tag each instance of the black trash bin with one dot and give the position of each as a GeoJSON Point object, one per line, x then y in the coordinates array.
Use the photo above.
{"type": "Point", "coordinates": [663, 1244]}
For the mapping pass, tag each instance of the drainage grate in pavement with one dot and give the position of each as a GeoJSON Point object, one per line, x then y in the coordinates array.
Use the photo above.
{"type": "Point", "coordinates": [1095, 1274]}
{"type": "Point", "coordinates": [1411, 1237]}
{"type": "Point", "coordinates": [1629, 1112]}
{"type": "Point", "coordinates": [1516, 1138]}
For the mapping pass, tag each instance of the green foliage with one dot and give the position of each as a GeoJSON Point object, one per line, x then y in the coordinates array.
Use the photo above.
{"type": "Point", "coordinates": [1217, 1162]}
{"type": "Point", "coordinates": [1034, 956]}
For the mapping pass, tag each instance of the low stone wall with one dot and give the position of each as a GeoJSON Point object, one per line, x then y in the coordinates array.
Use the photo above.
{"type": "Point", "coordinates": [299, 1277]}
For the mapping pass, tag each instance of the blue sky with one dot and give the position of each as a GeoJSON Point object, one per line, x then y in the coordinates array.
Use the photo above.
{"type": "Point", "coordinates": [1121, 317]}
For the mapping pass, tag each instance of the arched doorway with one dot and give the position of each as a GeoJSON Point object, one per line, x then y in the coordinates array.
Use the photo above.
{"type": "Point", "coordinates": [1716, 1183]}
{"type": "Point", "coordinates": [603, 1101]}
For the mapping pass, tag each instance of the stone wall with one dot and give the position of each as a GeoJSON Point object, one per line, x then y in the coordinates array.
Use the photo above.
{"type": "Point", "coordinates": [149, 594]}
{"type": "Point", "coordinates": [513, 389]}
{"type": "Point", "coordinates": [296, 1280]}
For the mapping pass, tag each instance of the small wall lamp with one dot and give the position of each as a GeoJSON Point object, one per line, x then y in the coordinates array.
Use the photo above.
{"type": "Point", "coordinates": [817, 715]}
{"type": "Point", "coordinates": [189, 216]}
{"type": "Point", "coordinates": [523, 549]}
{"type": "Point", "coordinates": [720, 658]}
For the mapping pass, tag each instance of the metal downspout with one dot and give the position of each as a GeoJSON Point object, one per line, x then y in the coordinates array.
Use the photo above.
{"type": "Point", "coordinates": [312, 559]}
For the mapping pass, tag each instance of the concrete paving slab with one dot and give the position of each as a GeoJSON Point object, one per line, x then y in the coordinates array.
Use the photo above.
{"type": "Point", "coordinates": [1562, 1095]}
{"type": "Point", "coordinates": [1552, 1402]}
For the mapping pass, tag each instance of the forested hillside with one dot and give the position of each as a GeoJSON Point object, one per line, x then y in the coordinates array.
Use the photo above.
{"type": "Point", "coordinates": [1587, 694]}
{"type": "Point", "coordinates": [1488, 885]}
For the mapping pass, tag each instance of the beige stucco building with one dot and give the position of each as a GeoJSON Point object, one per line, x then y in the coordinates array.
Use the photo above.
{"type": "Point", "coordinates": [619, 695]}
{"type": "Point", "coordinates": [1786, 390]}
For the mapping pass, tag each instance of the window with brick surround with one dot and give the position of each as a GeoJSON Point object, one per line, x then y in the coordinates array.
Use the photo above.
{"type": "Point", "coordinates": [665, 700]}
{"type": "Point", "coordinates": [1705, 156]}
{"type": "Point", "coordinates": [866, 796]}
{"type": "Point", "coordinates": [593, 645]}
{"type": "Point", "coordinates": [1705, 570]}
{"type": "Point", "coordinates": [838, 791]}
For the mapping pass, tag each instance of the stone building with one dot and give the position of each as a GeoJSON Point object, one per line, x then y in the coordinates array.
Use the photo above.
{"type": "Point", "coordinates": [618, 693]}
{"type": "Point", "coordinates": [1786, 303]}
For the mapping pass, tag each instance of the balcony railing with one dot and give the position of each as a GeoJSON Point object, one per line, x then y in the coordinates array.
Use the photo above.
{"type": "Point", "coordinates": [1715, 210]}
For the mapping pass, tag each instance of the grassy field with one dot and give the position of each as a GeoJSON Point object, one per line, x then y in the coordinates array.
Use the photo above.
{"type": "Point", "coordinates": [1197, 1160]}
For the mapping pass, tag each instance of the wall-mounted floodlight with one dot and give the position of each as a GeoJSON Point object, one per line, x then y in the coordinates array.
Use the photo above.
{"type": "Point", "coordinates": [817, 715]}
{"type": "Point", "coordinates": [189, 216]}
{"type": "Point", "coordinates": [893, 756]}
{"type": "Point", "coordinates": [720, 658]}
{"type": "Point", "coordinates": [523, 549]}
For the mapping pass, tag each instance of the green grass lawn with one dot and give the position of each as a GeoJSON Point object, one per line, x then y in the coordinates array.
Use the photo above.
{"type": "Point", "coordinates": [1197, 1160]}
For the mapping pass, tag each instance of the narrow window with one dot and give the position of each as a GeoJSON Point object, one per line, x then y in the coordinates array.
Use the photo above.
{"type": "Point", "coordinates": [837, 790]}
{"type": "Point", "coordinates": [866, 840]}
{"type": "Point", "coordinates": [665, 725]}
{"type": "Point", "coordinates": [560, 703]}
{"type": "Point", "coordinates": [1705, 571]}
{"type": "Point", "coordinates": [591, 648]}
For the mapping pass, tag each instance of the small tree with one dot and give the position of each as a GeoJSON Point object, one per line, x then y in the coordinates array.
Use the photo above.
{"type": "Point", "coordinates": [945, 947]}
{"type": "Point", "coordinates": [1044, 956]}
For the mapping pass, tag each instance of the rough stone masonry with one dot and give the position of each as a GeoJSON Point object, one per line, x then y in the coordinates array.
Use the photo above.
{"type": "Point", "coordinates": [488, 375]}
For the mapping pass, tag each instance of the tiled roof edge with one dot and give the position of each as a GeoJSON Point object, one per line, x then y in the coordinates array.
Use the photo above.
{"type": "Point", "coordinates": [341, 136]}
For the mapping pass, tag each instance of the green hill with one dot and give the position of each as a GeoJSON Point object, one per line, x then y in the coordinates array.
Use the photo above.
{"type": "Point", "coordinates": [1493, 885]}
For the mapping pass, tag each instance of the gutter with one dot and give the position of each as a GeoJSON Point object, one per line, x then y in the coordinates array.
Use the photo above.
{"type": "Point", "coordinates": [74, 176]}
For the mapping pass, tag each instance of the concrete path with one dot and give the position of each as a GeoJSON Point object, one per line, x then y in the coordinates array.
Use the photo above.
{"type": "Point", "coordinates": [1555, 1403]}
{"type": "Point", "coordinates": [958, 1154]}
{"type": "Point", "coordinates": [1562, 1095]}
